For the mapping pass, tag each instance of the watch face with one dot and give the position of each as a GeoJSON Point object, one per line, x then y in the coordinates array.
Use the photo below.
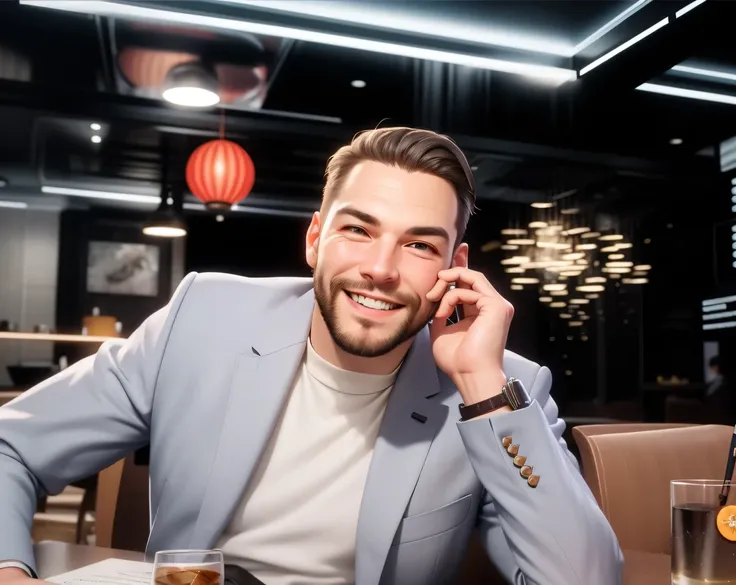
{"type": "Point", "coordinates": [517, 394]}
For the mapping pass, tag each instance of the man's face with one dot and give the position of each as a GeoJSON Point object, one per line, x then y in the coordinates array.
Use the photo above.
{"type": "Point", "coordinates": [376, 254]}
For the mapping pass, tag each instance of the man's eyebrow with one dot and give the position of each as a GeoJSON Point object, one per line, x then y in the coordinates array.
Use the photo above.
{"type": "Point", "coordinates": [357, 214]}
{"type": "Point", "coordinates": [429, 231]}
{"type": "Point", "coordinates": [420, 231]}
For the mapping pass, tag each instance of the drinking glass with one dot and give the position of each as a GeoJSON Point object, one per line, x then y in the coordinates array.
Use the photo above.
{"type": "Point", "coordinates": [703, 533]}
{"type": "Point", "coordinates": [188, 567]}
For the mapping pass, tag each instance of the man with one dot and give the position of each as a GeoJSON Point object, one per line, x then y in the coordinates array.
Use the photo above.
{"type": "Point", "coordinates": [718, 399]}
{"type": "Point", "coordinates": [311, 428]}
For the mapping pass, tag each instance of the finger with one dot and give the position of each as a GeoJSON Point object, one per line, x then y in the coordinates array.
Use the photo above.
{"type": "Point", "coordinates": [439, 288]}
{"type": "Point", "coordinates": [458, 296]}
{"type": "Point", "coordinates": [466, 278]}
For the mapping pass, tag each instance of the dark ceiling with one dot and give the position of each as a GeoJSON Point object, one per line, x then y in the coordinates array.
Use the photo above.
{"type": "Point", "coordinates": [291, 103]}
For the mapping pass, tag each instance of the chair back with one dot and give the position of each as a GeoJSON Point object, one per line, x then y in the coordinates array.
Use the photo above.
{"type": "Point", "coordinates": [123, 511]}
{"type": "Point", "coordinates": [629, 472]}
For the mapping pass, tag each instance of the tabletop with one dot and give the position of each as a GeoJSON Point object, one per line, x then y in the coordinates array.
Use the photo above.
{"type": "Point", "coordinates": [54, 558]}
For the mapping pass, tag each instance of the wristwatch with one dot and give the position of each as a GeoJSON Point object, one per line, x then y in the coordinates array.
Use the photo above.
{"type": "Point", "coordinates": [513, 394]}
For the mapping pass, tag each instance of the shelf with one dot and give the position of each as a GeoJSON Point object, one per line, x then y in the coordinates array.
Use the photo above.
{"type": "Point", "coordinates": [58, 337]}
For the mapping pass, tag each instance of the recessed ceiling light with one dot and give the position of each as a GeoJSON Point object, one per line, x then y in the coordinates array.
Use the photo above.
{"type": "Point", "coordinates": [96, 139]}
{"type": "Point", "coordinates": [359, 83]}
{"type": "Point", "coordinates": [676, 141]}
{"type": "Point", "coordinates": [95, 126]}
{"type": "Point", "coordinates": [191, 85]}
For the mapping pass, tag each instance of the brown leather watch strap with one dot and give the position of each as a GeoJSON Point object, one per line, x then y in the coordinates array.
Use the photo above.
{"type": "Point", "coordinates": [483, 407]}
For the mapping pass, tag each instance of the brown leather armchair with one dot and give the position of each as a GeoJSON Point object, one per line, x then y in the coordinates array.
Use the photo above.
{"type": "Point", "coordinates": [629, 469]}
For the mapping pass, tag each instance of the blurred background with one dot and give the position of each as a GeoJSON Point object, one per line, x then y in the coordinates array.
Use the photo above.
{"type": "Point", "coordinates": [602, 135]}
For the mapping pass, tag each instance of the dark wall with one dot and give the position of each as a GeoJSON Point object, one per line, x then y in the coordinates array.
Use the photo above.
{"type": "Point", "coordinates": [249, 245]}
{"type": "Point", "coordinates": [80, 227]}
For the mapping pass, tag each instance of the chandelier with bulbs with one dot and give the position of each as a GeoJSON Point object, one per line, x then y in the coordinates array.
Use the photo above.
{"type": "Point", "coordinates": [568, 263]}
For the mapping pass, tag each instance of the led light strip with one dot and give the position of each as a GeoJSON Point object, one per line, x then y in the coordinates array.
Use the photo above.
{"type": "Point", "coordinates": [688, 93]}
{"type": "Point", "coordinates": [155, 200]}
{"type": "Point", "coordinates": [14, 204]}
{"type": "Point", "coordinates": [719, 301]}
{"type": "Point", "coordinates": [374, 15]}
{"type": "Point", "coordinates": [105, 195]}
{"type": "Point", "coordinates": [705, 72]}
{"type": "Point", "coordinates": [556, 75]}
{"type": "Point", "coordinates": [622, 47]}
{"type": "Point", "coordinates": [611, 24]}
{"type": "Point", "coordinates": [714, 316]}
{"type": "Point", "coordinates": [724, 325]}
{"type": "Point", "coordinates": [688, 8]}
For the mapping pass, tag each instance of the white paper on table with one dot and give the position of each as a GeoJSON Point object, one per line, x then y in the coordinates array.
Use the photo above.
{"type": "Point", "coordinates": [107, 572]}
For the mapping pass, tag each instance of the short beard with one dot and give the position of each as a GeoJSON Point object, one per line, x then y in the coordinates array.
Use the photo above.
{"type": "Point", "coordinates": [327, 297]}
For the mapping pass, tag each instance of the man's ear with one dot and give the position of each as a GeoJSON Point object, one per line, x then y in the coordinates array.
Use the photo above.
{"type": "Point", "coordinates": [312, 240]}
{"type": "Point", "coordinates": [460, 257]}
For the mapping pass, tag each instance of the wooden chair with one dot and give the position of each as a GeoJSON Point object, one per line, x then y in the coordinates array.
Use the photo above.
{"type": "Point", "coordinates": [123, 510]}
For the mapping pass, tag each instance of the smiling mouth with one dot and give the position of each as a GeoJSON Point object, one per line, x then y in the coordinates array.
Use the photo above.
{"type": "Point", "coordinates": [372, 303]}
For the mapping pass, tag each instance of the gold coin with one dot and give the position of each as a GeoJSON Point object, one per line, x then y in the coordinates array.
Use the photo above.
{"type": "Point", "coordinates": [726, 522]}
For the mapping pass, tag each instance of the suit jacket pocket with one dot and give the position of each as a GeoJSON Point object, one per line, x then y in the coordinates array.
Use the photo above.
{"type": "Point", "coordinates": [434, 522]}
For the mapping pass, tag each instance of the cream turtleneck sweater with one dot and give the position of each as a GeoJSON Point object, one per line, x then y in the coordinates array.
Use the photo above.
{"type": "Point", "coordinates": [297, 521]}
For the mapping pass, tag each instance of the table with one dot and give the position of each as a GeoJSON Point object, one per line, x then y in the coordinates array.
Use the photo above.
{"type": "Point", "coordinates": [645, 568]}
{"type": "Point", "coordinates": [54, 558]}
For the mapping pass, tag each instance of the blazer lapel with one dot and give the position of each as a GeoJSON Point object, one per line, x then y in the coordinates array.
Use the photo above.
{"type": "Point", "coordinates": [258, 393]}
{"type": "Point", "coordinates": [408, 428]}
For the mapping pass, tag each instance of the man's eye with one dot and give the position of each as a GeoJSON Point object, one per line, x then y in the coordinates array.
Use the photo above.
{"type": "Point", "coordinates": [356, 230]}
{"type": "Point", "coordinates": [421, 246]}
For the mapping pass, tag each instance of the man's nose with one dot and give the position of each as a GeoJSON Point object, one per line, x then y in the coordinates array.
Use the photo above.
{"type": "Point", "coordinates": [380, 263]}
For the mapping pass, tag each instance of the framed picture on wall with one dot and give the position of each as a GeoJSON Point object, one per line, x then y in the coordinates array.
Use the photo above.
{"type": "Point", "coordinates": [121, 268]}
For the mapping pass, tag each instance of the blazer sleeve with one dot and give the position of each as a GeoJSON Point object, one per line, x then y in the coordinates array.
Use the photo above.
{"type": "Point", "coordinates": [552, 534]}
{"type": "Point", "coordinates": [77, 423]}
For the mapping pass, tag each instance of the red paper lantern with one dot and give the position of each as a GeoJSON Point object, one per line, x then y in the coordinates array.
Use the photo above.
{"type": "Point", "coordinates": [220, 173]}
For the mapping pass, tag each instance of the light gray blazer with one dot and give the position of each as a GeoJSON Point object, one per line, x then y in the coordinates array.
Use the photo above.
{"type": "Point", "coordinates": [203, 381]}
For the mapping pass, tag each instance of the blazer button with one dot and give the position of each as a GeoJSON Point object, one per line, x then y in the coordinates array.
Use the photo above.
{"type": "Point", "coordinates": [513, 450]}
{"type": "Point", "coordinates": [506, 442]}
{"type": "Point", "coordinates": [533, 481]}
{"type": "Point", "coordinates": [519, 460]}
{"type": "Point", "coordinates": [526, 471]}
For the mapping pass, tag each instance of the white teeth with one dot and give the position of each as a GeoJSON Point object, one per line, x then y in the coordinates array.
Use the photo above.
{"type": "Point", "coordinates": [372, 303]}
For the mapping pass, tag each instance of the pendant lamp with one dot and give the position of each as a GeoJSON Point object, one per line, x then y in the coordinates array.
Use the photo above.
{"type": "Point", "coordinates": [220, 173]}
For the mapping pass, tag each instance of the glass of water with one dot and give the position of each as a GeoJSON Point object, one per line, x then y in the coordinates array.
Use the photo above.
{"type": "Point", "coordinates": [703, 532]}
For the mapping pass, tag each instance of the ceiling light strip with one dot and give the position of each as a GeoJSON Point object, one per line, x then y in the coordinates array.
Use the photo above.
{"type": "Point", "coordinates": [106, 195]}
{"type": "Point", "coordinates": [621, 48]}
{"type": "Point", "coordinates": [155, 200]}
{"type": "Point", "coordinates": [688, 93]}
{"type": "Point", "coordinates": [557, 75]}
{"type": "Point", "coordinates": [705, 72]}
{"type": "Point", "coordinates": [724, 325]}
{"type": "Point", "coordinates": [417, 23]}
{"type": "Point", "coordinates": [255, 210]}
{"type": "Point", "coordinates": [718, 301]}
{"type": "Point", "coordinates": [611, 24]}
{"type": "Point", "coordinates": [688, 8]}
{"type": "Point", "coordinates": [14, 204]}
{"type": "Point", "coordinates": [714, 316]}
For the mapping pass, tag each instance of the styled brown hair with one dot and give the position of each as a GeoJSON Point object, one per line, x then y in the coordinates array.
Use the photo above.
{"type": "Point", "coordinates": [412, 150]}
